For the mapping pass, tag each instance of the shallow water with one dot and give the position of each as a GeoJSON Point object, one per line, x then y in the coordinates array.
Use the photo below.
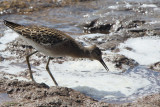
{"type": "Point", "coordinates": [70, 18]}
{"type": "Point", "coordinates": [4, 98]}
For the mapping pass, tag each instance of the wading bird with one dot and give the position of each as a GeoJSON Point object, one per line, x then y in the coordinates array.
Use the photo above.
{"type": "Point", "coordinates": [53, 43]}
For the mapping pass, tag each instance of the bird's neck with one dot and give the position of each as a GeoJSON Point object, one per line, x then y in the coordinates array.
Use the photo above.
{"type": "Point", "coordinates": [81, 52]}
{"type": "Point", "coordinates": [85, 52]}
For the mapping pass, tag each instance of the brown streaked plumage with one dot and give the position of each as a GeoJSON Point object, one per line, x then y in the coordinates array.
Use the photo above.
{"type": "Point", "coordinates": [53, 43]}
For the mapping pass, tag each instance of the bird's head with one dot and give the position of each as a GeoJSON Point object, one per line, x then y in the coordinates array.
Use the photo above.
{"type": "Point", "coordinates": [95, 53]}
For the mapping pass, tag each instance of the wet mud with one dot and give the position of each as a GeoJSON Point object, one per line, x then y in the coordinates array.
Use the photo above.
{"type": "Point", "coordinates": [24, 94]}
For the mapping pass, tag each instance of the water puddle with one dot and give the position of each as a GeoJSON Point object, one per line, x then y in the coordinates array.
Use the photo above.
{"type": "Point", "coordinates": [4, 98]}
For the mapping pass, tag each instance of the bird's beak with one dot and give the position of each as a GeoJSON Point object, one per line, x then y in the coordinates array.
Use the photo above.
{"type": "Point", "coordinates": [105, 66]}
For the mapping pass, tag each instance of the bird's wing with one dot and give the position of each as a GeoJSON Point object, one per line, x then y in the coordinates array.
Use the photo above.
{"type": "Point", "coordinates": [41, 35]}
{"type": "Point", "coordinates": [45, 36]}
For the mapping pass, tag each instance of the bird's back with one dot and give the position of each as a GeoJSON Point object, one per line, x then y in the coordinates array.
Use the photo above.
{"type": "Point", "coordinates": [39, 34]}
{"type": "Point", "coordinates": [40, 38]}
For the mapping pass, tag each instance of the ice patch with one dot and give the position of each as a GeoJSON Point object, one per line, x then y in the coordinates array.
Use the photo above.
{"type": "Point", "coordinates": [145, 50]}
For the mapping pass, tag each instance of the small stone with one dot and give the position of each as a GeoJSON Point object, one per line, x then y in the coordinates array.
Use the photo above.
{"type": "Point", "coordinates": [10, 91]}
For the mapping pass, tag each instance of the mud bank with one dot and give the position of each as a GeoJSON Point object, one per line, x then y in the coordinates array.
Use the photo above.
{"type": "Point", "coordinates": [26, 94]}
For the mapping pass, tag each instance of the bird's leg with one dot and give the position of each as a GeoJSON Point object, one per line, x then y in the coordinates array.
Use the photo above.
{"type": "Point", "coordinates": [48, 70]}
{"type": "Point", "coordinates": [29, 66]}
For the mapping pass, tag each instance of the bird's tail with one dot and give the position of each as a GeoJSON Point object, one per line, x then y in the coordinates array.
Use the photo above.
{"type": "Point", "coordinates": [11, 24]}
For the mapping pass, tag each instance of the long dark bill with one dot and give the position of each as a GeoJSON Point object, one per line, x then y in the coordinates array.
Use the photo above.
{"type": "Point", "coordinates": [105, 66]}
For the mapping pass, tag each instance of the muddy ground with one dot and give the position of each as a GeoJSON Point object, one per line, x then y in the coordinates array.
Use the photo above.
{"type": "Point", "coordinates": [27, 94]}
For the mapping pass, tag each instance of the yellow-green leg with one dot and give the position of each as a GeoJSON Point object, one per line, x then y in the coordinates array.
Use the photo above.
{"type": "Point", "coordinates": [48, 70]}
{"type": "Point", "coordinates": [29, 66]}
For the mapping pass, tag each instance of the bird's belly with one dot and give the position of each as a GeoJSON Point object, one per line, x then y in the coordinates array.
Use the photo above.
{"type": "Point", "coordinates": [47, 50]}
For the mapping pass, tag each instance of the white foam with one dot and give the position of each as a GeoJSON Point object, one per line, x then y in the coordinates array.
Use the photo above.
{"type": "Point", "coordinates": [128, 5]}
{"type": "Point", "coordinates": [153, 22]}
{"type": "Point", "coordinates": [92, 35]}
{"type": "Point", "coordinates": [9, 36]}
{"type": "Point", "coordinates": [113, 7]}
{"type": "Point", "coordinates": [90, 77]}
{"type": "Point", "coordinates": [86, 15]}
{"type": "Point", "coordinates": [148, 5]}
{"type": "Point", "coordinates": [145, 50]}
{"type": "Point", "coordinates": [157, 9]}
